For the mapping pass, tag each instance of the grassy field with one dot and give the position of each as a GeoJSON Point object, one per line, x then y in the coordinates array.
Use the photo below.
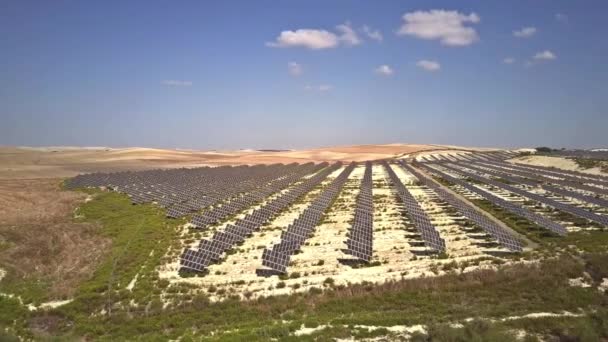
{"type": "Point", "coordinates": [104, 309]}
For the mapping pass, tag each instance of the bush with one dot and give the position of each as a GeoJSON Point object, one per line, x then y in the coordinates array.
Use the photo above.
{"type": "Point", "coordinates": [328, 281]}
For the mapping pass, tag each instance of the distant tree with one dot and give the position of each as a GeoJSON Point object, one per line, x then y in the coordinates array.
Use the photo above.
{"type": "Point", "coordinates": [544, 149]}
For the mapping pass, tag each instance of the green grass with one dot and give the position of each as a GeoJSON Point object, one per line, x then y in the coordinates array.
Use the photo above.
{"type": "Point", "coordinates": [521, 225]}
{"type": "Point", "coordinates": [511, 291]}
{"type": "Point", "coordinates": [30, 289]}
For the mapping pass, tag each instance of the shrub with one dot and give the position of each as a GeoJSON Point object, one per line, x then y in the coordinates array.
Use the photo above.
{"type": "Point", "coordinates": [315, 291]}
{"type": "Point", "coordinates": [328, 281]}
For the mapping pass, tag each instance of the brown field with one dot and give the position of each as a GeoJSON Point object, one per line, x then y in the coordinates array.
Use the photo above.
{"type": "Point", "coordinates": [38, 238]}
{"type": "Point", "coordinates": [59, 162]}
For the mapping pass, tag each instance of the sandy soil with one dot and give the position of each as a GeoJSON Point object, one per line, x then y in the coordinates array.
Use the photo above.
{"type": "Point", "coordinates": [557, 162]}
{"type": "Point", "coordinates": [27, 162]}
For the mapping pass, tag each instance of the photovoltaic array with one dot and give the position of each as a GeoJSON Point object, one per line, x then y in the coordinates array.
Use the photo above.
{"type": "Point", "coordinates": [210, 251]}
{"type": "Point", "coordinates": [416, 214]}
{"type": "Point", "coordinates": [219, 213]}
{"type": "Point", "coordinates": [563, 191]}
{"type": "Point", "coordinates": [278, 256]}
{"type": "Point", "coordinates": [360, 235]}
{"type": "Point", "coordinates": [569, 181]}
{"type": "Point", "coordinates": [186, 191]}
{"type": "Point", "coordinates": [511, 207]}
{"type": "Point", "coordinates": [230, 204]}
{"type": "Point", "coordinates": [603, 220]}
{"type": "Point", "coordinates": [474, 215]}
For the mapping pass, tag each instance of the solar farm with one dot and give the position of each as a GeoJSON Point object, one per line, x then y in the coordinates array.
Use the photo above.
{"type": "Point", "coordinates": [252, 231]}
{"type": "Point", "coordinates": [366, 242]}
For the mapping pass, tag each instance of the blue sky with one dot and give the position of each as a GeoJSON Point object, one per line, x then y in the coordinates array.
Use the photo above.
{"type": "Point", "coordinates": [217, 75]}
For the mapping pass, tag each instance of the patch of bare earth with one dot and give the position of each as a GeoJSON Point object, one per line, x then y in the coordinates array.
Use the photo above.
{"type": "Point", "coordinates": [556, 162]}
{"type": "Point", "coordinates": [39, 238]}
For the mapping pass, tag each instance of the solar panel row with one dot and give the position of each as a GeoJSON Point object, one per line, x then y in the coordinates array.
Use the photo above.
{"type": "Point", "coordinates": [561, 172]}
{"type": "Point", "coordinates": [360, 237]}
{"type": "Point", "coordinates": [234, 206]}
{"type": "Point", "coordinates": [504, 174]}
{"type": "Point", "coordinates": [416, 214]}
{"type": "Point", "coordinates": [509, 206]}
{"type": "Point", "coordinates": [224, 240]}
{"type": "Point", "coordinates": [277, 258]}
{"type": "Point", "coordinates": [455, 156]}
{"type": "Point", "coordinates": [468, 211]}
{"type": "Point", "coordinates": [603, 220]}
{"type": "Point", "coordinates": [183, 191]}
{"type": "Point", "coordinates": [541, 176]}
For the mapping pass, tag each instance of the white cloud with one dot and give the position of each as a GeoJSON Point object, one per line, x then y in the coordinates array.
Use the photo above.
{"type": "Point", "coordinates": [372, 34]}
{"type": "Point", "coordinates": [509, 60]}
{"type": "Point", "coordinates": [545, 56]}
{"type": "Point", "coordinates": [348, 36]}
{"type": "Point", "coordinates": [445, 26]}
{"type": "Point", "coordinates": [294, 69]}
{"type": "Point", "coordinates": [525, 32]}
{"type": "Point", "coordinates": [540, 57]}
{"type": "Point", "coordinates": [384, 70]}
{"type": "Point", "coordinates": [315, 39]}
{"type": "Point", "coordinates": [308, 38]}
{"type": "Point", "coordinates": [428, 65]}
{"type": "Point", "coordinates": [561, 17]}
{"type": "Point", "coordinates": [177, 83]}
{"type": "Point", "coordinates": [320, 88]}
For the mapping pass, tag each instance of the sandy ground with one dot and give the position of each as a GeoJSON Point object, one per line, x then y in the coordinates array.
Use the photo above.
{"type": "Point", "coordinates": [405, 332]}
{"type": "Point", "coordinates": [45, 162]}
{"type": "Point", "coordinates": [557, 162]}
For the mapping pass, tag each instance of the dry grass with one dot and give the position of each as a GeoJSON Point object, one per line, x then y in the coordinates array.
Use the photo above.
{"type": "Point", "coordinates": [39, 240]}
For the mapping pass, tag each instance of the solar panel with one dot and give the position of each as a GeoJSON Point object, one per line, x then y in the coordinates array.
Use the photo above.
{"type": "Point", "coordinates": [416, 214]}
{"type": "Point", "coordinates": [275, 260]}
{"type": "Point", "coordinates": [195, 260]}
{"type": "Point", "coordinates": [492, 228]}
{"type": "Point", "coordinates": [511, 207]}
{"type": "Point", "coordinates": [550, 202]}
{"type": "Point", "coordinates": [503, 173]}
{"type": "Point", "coordinates": [361, 230]}
{"type": "Point", "coordinates": [303, 226]}
{"type": "Point", "coordinates": [538, 175]}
